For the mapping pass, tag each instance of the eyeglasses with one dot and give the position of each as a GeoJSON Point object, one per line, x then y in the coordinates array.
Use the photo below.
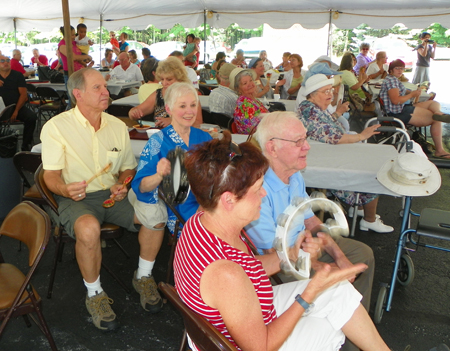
{"type": "Point", "coordinates": [235, 151]}
{"type": "Point", "coordinates": [327, 92]}
{"type": "Point", "coordinates": [5, 60]}
{"type": "Point", "coordinates": [299, 143]}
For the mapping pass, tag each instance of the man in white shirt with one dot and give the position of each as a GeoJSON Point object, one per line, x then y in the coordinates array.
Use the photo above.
{"type": "Point", "coordinates": [223, 98]}
{"type": "Point", "coordinates": [126, 70]}
{"type": "Point", "coordinates": [192, 75]}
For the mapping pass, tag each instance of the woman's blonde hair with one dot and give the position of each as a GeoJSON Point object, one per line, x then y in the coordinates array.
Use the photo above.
{"type": "Point", "coordinates": [172, 66]}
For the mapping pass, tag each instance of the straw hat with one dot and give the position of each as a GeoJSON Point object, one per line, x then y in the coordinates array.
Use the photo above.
{"type": "Point", "coordinates": [238, 70]}
{"type": "Point", "coordinates": [410, 175]}
{"type": "Point", "coordinates": [317, 81]}
{"type": "Point", "coordinates": [226, 69]}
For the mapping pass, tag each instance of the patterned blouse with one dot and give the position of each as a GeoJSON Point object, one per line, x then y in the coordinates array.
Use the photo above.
{"type": "Point", "coordinates": [391, 82]}
{"type": "Point", "coordinates": [320, 125]}
{"type": "Point", "coordinates": [246, 114]}
{"type": "Point", "coordinates": [157, 147]}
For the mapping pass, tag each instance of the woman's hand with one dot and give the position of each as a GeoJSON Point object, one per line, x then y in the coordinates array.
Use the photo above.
{"type": "Point", "coordinates": [363, 77]}
{"type": "Point", "coordinates": [135, 113]}
{"type": "Point", "coordinates": [369, 131]}
{"type": "Point", "coordinates": [162, 122]}
{"type": "Point", "coordinates": [342, 107]}
{"type": "Point", "coordinates": [163, 167]}
{"type": "Point", "coordinates": [416, 93]}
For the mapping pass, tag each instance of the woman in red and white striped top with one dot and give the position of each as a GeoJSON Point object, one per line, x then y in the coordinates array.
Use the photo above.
{"type": "Point", "coordinates": [218, 277]}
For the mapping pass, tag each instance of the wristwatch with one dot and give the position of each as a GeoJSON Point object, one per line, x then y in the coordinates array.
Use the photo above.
{"type": "Point", "coordinates": [309, 307]}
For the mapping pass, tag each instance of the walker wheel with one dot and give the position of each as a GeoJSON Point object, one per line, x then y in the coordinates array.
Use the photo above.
{"type": "Point", "coordinates": [381, 304]}
{"type": "Point", "coordinates": [401, 213]}
{"type": "Point", "coordinates": [405, 273]}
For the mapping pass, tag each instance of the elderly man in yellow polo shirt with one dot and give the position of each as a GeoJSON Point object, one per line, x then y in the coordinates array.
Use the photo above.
{"type": "Point", "coordinates": [76, 145]}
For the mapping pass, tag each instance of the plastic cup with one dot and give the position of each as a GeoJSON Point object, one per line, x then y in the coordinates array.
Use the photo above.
{"type": "Point", "coordinates": [276, 97]}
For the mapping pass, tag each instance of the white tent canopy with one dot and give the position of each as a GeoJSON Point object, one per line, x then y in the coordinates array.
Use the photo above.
{"type": "Point", "coordinates": [138, 14]}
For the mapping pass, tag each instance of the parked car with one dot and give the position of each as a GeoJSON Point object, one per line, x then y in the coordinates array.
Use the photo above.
{"type": "Point", "coordinates": [251, 46]}
{"type": "Point", "coordinates": [163, 49]}
{"type": "Point", "coordinates": [395, 49]}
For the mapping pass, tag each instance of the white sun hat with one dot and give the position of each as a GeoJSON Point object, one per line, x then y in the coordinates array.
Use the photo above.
{"type": "Point", "coordinates": [410, 175]}
{"type": "Point", "coordinates": [315, 82]}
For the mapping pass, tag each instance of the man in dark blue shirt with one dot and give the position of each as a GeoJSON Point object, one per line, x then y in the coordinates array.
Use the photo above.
{"type": "Point", "coordinates": [13, 91]}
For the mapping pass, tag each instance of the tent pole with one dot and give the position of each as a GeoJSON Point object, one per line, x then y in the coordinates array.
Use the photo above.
{"type": "Point", "coordinates": [100, 39]}
{"type": "Point", "coordinates": [67, 36]}
{"type": "Point", "coordinates": [15, 34]}
{"type": "Point", "coordinates": [204, 38]}
{"type": "Point", "coordinates": [329, 35]}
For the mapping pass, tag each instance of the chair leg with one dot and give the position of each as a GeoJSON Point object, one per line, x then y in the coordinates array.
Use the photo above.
{"type": "Point", "coordinates": [58, 255]}
{"type": "Point", "coordinates": [183, 341]}
{"type": "Point", "coordinates": [121, 248]}
{"type": "Point", "coordinates": [27, 320]}
{"type": "Point", "coordinates": [43, 324]}
{"type": "Point", "coordinates": [120, 281]}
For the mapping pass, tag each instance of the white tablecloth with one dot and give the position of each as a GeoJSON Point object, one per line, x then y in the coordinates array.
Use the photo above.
{"type": "Point", "coordinates": [133, 100]}
{"type": "Point", "coordinates": [114, 88]}
{"type": "Point", "coordinates": [350, 167]}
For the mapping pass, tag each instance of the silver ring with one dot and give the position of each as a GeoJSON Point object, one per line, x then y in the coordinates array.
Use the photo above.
{"type": "Point", "coordinates": [79, 195]}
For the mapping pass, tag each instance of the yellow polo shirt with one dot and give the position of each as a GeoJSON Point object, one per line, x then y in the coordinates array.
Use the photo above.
{"type": "Point", "coordinates": [70, 144]}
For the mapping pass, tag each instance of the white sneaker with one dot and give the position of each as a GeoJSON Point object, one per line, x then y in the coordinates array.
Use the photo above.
{"type": "Point", "coordinates": [377, 226]}
{"type": "Point", "coordinates": [351, 212]}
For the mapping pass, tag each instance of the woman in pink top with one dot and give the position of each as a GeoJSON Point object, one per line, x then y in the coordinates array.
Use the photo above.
{"type": "Point", "coordinates": [218, 276]}
{"type": "Point", "coordinates": [79, 60]}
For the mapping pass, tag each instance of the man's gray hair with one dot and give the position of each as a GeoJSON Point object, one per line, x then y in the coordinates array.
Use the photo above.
{"type": "Point", "coordinates": [273, 125]}
{"type": "Point", "coordinates": [77, 81]}
{"type": "Point", "coordinates": [177, 90]}
{"type": "Point", "coordinates": [16, 51]}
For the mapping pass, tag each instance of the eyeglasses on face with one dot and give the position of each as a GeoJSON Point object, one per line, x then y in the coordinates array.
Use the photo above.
{"type": "Point", "coordinates": [327, 92]}
{"type": "Point", "coordinates": [5, 60]}
{"type": "Point", "coordinates": [299, 143]}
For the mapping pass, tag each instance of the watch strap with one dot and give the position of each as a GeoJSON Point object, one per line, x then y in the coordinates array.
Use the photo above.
{"type": "Point", "coordinates": [302, 302]}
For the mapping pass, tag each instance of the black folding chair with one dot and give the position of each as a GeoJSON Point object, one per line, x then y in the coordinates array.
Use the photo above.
{"type": "Point", "coordinates": [50, 103]}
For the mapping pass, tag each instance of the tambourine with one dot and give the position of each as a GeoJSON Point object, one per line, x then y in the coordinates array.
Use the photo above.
{"type": "Point", "coordinates": [288, 221]}
{"type": "Point", "coordinates": [175, 185]}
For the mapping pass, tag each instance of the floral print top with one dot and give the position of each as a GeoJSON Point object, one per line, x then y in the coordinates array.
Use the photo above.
{"type": "Point", "coordinates": [320, 125]}
{"type": "Point", "coordinates": [247, 114]}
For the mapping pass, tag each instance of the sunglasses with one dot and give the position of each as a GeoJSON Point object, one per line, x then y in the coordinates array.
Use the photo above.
{"type": "Point", "coordinates": [5, 60]}
{"type": "Point", "coordinates": [235, 151]}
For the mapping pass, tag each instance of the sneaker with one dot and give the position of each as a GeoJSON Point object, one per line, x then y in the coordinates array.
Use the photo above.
{"type": "Point", "coordinates": [351, 212]}
{"type": "Point", "coordinates": [102, 314]}
{"type": "Point", "coordinates": [377, 226]}
{"type": "Point", "coordinates": [150, 299]}
{"type": "Point", "coordinates": [442, 118]}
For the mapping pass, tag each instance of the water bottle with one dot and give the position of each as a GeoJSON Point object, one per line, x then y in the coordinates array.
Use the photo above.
{"type": "Point", "coordinates": [36, 74]}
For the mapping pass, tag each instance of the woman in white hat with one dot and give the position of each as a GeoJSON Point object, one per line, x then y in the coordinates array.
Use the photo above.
{"type": "Point", "coordinates": [324, 127]}
{"type": "Point", "coordinates": [247, 114]}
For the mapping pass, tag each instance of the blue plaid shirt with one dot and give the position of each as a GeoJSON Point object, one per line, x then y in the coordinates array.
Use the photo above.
{"type": "Point", "coordinates": [391, 82]}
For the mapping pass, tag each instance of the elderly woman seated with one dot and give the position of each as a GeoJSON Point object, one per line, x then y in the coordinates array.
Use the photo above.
{"type": "Point", "coordinates": [324, 127]}
{"type": "Point", "coordinates": [218, 276]}
{"type": "Point", "coordinates": [239, 60]}
{"type": "Point", "coordinates": [169, 71]}
{"type": "Point", "coordinates": [378, 68]}
{"type": "Point", "coordinates": [421, 114]}
{"type": "Point", "coordinates": [336, 108]}
{"type": "Point", "coordinates": [248, 108]}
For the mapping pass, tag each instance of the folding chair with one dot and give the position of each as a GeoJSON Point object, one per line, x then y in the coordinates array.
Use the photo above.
{"type": "Point", "coordinates": [31, 225]}
{"type": "Point", "coordinates": [108, 231]}
{"type": "Point", "coordinates": [27, 163]}
{"type": "Point", "coordinates": [33, 98]}
{"type": "Point", "coordinates": [221, 119]}
{"type": "Point", "coordinates": [207, 116]}
{"type": "Point", "coordinates": [201, 332]}
{"type": "Point", "coordinates": [51, 103]}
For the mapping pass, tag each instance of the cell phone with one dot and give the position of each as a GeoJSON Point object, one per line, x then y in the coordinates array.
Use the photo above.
{"type": "Point", "coordinates": [281, 77]}
{"type": "Point", "coordinates": [430, 41]}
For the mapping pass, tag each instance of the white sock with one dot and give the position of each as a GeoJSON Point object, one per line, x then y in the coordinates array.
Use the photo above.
{"type": "Point", "coordinates": [93, 288]}
{"type": "Point", "coordinates": [145, 268]}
